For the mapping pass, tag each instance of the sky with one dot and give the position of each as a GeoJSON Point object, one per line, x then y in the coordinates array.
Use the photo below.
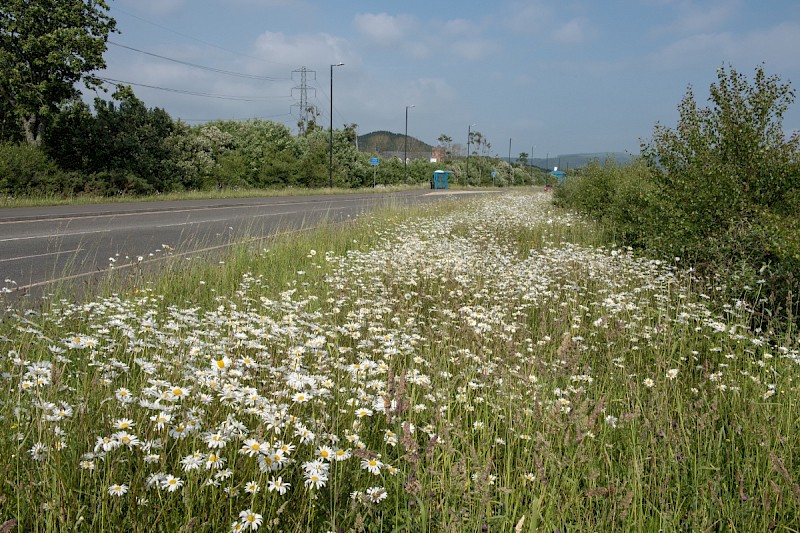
{"type": "Point", "coordinates": [546, 76]}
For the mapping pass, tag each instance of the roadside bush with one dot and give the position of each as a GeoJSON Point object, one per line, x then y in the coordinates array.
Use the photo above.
{"type": "Point", "coordinates": [630, 210]}
{"type": "Point", "coordinates": [26, 170]}
{"type": "Point", "coordinates": [727, 186]}
{"type": "Point", "coordinates": [721, 191]}
{"type": "Point", "coordinates": [589, 191]}
{"type": "Point", "coordinates": [620, 196]}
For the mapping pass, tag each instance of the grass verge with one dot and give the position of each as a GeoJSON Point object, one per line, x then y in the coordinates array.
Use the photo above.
{"type": "Point", "coordinates": [476, 366]}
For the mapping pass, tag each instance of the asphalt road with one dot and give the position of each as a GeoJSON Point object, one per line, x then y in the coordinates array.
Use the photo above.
{"type": "Point", "coordinates": [45, 244]}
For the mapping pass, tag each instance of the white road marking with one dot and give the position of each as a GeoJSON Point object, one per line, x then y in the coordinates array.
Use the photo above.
{"type": "Point", "coordinates": [55, 235]}
{"type": "Point", "coordinates": [41, 255]}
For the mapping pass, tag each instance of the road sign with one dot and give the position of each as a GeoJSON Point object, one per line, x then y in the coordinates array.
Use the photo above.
{"type": "Point", "coordinates": [374, 161]}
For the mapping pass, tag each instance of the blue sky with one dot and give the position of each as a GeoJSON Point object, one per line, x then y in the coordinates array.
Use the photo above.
{"type": "Point", "coordinates": [555, 76]}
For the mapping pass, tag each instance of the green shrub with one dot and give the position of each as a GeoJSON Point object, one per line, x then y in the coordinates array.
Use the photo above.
{"type": "Point", "coordinates": [727, 186]}
{"type": "Point", "coordinates": [25, 169]}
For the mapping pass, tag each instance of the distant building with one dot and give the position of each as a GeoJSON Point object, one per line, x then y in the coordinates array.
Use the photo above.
{"type": "Point", "coordinates": [438, 154]}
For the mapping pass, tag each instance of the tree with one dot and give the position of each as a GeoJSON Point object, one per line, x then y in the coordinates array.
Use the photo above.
{"type": "Point", "coordinates": [724, 162]}
{"type": "Point", "coordinates": [308, 122]}
{"type": "Point", "coordinates": [727, 188]}
{"type": "Point", "coordinates": [46, 47]}
{"type": "Point", "coordinates": [123, 137]}
{"type": "Point", "coordinates": [351, 133]}
{"type": "Point", "coordinates": [522, 160]}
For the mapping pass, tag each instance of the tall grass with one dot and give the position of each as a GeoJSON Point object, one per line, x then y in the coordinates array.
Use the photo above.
{"type": "Point", "coordinates": [481, 366]}
{"type": "Point", "coordinates": [216, 194]}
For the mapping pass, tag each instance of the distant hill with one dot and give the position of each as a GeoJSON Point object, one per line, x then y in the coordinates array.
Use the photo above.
{"type": "Point", "coordinates": [386, 141]}
{"type": "Point", "coordinates": [567, 161]}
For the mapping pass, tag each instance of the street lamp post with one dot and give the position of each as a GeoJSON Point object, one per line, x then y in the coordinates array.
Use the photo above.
{"type": "Point", "coordinates": [532, 149]}
{"type": "Point", "coordinates": [469, 140]}
{"type": "Point", "coordinates": [330, 147]}
{"type": "Point", "coordinates": [509, 161]}
{"type": "Point", "coordinates": [405, 146]}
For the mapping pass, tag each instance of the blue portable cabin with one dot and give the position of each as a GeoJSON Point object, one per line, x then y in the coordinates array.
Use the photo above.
{"type": "Point", "coordinates": [560, 176]}
{"type": "Point", "coordinates": [440, 179]}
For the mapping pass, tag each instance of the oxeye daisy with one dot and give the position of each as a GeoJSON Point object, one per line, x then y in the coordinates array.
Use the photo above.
{"type": "Point", "coordinates": [126, 439]}
{"type": "Point", "coordinates": [362, 412]}
{"type": "Point", "coordinates": [123, 423]}
{"type": "Point", "coordinates": [123, 395]}
{"type": "Point", "coordinates": [314, 480]}
{"type": "Point", "coordinates": [278, 485]}
{"type": "Point", "coordinates": [251, 448]}
{"type": "Point", "coordinates": [161, 419]}
{"type": "Point", "coordinates": [250, 519]}
{"type": "Point", "coordinates": [171, 483]}
{"type": "Point", "coordinates": [251, 487]}
{"type": "Point", "coordinates": [376, 494]}
{"type": "Point", "coordinates": [221, 364]}
{"type": "Point", "coordinates": [372, 465]}
{"type": "Point", "coordinates": [341, 455]}
{"type": "Point", "coordinates": [38, 451]}
{"type": "Point", "coordinates": [117, 490]}
{"type": "Point", "coordinates": [215, 440]}
{"type": "Point", "coordinates": [177, 393]}
{"type": "Point", "coordinates": [325, 453]}
{"type": "Point", "coordinates": [672, 373]}
{"type": "Point", "coordinates": [214, 461]}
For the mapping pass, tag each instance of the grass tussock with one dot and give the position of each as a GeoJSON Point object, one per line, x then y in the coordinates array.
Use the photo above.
{"type": "Point", "coordinates": [485, 366]}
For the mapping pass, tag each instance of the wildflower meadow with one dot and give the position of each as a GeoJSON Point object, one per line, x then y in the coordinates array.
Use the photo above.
{"type": "Point", "coordinates": [489, 364]}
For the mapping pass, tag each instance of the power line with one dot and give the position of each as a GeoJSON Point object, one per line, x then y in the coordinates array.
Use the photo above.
{"type": "Point", "coordinates": [322, 107]}
{"type": "Point", "coordinates": [234, 52]}
{"type": "Point", "coordinates": [193, 93]}
{"type": "Point", "coordinates": [264, 117]}
{"type": "Point", "coordinates": [203, 67]}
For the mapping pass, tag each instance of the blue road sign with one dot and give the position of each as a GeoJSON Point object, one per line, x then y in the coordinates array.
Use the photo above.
{"type": "Point", "coordinates": [374, 161]}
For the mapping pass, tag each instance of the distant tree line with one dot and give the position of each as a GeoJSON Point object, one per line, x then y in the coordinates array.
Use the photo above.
{"type": "Point", "coordinates": [53, 143]}
{"type": "Point", "coordinates": [122, 147]}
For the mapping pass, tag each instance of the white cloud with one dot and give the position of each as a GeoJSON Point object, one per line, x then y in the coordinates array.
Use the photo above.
{"type": "Point", "coordinates": [693, 16]}
{"type": "Point", "coordinates": [384, 28]}
{"type": "Point", "coordinates": [775, 46]}
{"type": "Point", "coordinates": [265, 3]}
{"type": "Point", "coordinates": [474, 48]}
{"type": "Point", "coordinates": [458, 27]}
{"type": "Point", "coordinates": [384, 103]}
{"type": "Point", "coordinates": [302, 49]}
{"type": "Point", "coordinates": [575, 31]}
{"type": "Point", "coordinates": [155, 7]}
{"type": "Point", "coordinates": [529, 17]}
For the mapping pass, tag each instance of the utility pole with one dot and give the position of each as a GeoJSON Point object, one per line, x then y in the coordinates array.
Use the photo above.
{"type": "Point", "coordinates": [532, 147]}
{"type": "Point", "coordinates": [330, 167]}
{"type": "Point", "coordinates": [509, 161]}
{"type": "Point", "coordinates": [405, 146]}
{"type": "Point", "coordinates": [469, 140]}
